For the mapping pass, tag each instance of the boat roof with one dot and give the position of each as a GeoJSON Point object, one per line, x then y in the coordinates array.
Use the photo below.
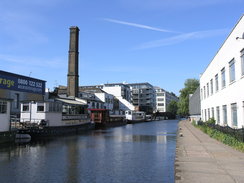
{"type": "Point", "coordinates": [68, 101]}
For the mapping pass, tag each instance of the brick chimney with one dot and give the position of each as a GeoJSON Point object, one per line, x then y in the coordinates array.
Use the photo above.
{"type": "Point", "coordinates": [73, 71]}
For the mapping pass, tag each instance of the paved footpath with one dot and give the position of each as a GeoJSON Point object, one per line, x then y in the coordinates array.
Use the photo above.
{"type": "Point", "coordinates": [201, 159]}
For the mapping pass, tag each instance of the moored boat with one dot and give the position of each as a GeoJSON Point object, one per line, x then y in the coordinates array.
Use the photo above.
{"type": "Point", "coordinates": [6, 134]}
{"type": "Point", "coordinates": [102, 118]}
{"type": "Point", "coordinates": [135, 116]}
{"type": "Point", "coordinates": [60, 116]}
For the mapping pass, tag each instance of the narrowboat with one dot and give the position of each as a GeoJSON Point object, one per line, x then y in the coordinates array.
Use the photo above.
{"type": "Point", "coordinates": [103, 119]}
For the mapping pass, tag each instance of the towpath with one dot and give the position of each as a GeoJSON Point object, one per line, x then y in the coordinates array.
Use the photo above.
{"type": "Point", "coordinates": [201, 159]}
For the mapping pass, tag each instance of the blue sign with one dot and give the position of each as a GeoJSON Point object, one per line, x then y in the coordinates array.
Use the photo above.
{"type": "Point", "coordinates": [20, 83]}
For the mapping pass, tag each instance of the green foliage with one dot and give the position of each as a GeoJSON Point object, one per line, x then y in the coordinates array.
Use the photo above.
{"type": "Point", "coordinates": [222, 137]}
{"type": "Point", "coordinates": [211, 121]}
{"type": "Point", "coordinates": [183, 105]}
{"type": "Point", "coordinates": [172, 107]}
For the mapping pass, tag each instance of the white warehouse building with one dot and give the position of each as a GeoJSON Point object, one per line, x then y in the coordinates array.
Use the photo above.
{"type": "Point", "coordinates": [222, 83]}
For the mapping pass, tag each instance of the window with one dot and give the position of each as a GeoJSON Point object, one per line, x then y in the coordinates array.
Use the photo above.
{"type": "Point", "coordinates": [234, 114]}
{"type": "Point", "coordinates": [55, 107]}
{"type": "Point", "coordinates": [224, 114]}
{"type": "Point", "coordinates": [204, 89]}
{"type": "Point", "coordinates": [40, 107]}
{"type": "Point", "coordinates": [223, 77]}
{"type": "Point", "coordinates": [207, 90]}
{"type": "Point", "coordinates": [3, 107]}
{"type": "Point", "coordinates": [208, 113]}
{"type": "Point", "coordinates": [16, 100]}
{"type": "Point", "coordinates": [212, 110]}
{"type": "Point", "coordinates": [216, 83]}
{"type": "Point", "coordinates": [201, 95]}
{"type": "Point", "coordinates": [217, 115]}
{"type": "Point", "coordinates": [242, 62]}
{"type": "Point", "coordinates": [160, 94]}
{"type": "Point", "coordinates": [160, 99]}
{"type": "Point", "coordinates": [232, 70]}
{"type": "Point", "coordinates": [25, 108]}
{"type": "Point", "coordinates": [205, 114]}
{"type": "Point", "coordinates": [211, 86]}
{"type": "Point", "coordinates": [160, 104]}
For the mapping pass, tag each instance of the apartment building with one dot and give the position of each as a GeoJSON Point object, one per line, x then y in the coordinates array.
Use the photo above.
{"type": "Point", "coordinates": [143, 97]}
{"type": "Point", "coordinates": [163, 98]}
{"type": "Point", "coordinates": [222, 83]}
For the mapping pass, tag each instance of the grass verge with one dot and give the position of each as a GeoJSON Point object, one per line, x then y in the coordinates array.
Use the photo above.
{"type": "Point", "coordinates": [222, 137]}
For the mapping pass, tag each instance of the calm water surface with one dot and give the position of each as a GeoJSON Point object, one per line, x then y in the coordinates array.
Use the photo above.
{"type": "Point", "coordinates": [137, 153]}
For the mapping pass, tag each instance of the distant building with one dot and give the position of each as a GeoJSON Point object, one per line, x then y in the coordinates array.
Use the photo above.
{"type": "Point", "coordinates": [222, 83]}
{"type": "Point", "coordinates": [122, 95]}
{"type": "Point", "coordinates": [163, 98]}
{"type": "Point", "coordinates": [143, 97]}
{"type": "Point", "coordinates": [99, 94]}
{"type": "Point", "coordinates": [19, 88]}
{"type": "Point", "coordinates": [195, 105]}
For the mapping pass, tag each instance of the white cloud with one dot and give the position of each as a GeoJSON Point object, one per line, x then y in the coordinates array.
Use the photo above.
{"type": "Point", "coordinates": [183, 37]}
{"type": "Point", "coordinates": [138, 25]}
{"type": "Point", "coordinates": [33, 62]}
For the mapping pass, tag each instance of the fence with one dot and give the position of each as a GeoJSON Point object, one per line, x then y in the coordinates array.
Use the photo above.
{"type": "Point", "coordinates": [236, 133]}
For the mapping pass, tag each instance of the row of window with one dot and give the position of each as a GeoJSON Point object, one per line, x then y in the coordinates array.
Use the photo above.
{"type": "Point", "coordinates": [215, 113]}
{"type": "Point", "coordinates": [208, 90]}
{"type": "Point", "coordinates": [53, 107]}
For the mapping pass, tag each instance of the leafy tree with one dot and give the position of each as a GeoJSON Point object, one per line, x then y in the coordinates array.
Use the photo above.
{"type": "Point", "coordinates": [183, 105]}
{"type": "Point", "coordinates": [172, 107]}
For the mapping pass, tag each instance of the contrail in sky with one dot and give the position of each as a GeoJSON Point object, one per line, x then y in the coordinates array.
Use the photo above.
{"type": "Point", "coordinates": [138, 25]}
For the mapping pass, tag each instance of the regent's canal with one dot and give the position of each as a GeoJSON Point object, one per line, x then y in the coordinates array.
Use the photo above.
{"type": "Point", "coordinates": [138, 153]}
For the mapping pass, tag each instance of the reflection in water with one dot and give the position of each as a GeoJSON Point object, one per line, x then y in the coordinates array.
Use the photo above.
{"type": "Point", "coordinates": [73, 159]}
{"type": "Point", "coordinates": [133, 153]}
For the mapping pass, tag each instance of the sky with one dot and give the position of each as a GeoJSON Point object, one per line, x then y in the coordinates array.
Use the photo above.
{"type": "Point", "coordinates": [163, 42]}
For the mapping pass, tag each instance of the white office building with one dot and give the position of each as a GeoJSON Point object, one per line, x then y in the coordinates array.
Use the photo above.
{"type": "Point", "coordinates": [222, 83]}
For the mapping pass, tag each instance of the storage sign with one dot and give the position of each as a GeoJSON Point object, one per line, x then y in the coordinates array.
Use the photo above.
{"type": "Point", "coordinates": [21, 83]}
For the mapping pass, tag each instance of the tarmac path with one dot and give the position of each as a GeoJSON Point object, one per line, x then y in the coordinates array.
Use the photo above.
{"type": "Point", "coordinates": [201, 159]}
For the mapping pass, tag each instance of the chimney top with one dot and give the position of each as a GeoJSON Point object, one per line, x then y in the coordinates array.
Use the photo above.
{"type": "Point", "coordinates": [74, 27]}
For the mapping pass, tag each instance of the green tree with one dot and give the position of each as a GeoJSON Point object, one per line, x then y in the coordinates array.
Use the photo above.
{"type": "Point", "coordinates": [183, 105]}
{"type": "Point", "coordinates": [172, 107]}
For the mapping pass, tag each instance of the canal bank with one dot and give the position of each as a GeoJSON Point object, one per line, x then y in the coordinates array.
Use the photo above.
{"type": "Point", "coordinates": [200, 158]}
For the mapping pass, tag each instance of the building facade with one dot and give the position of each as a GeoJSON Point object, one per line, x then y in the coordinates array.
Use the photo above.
{"type": "Point", "coordinates": [222, 83]}
{"type": "Point", "coordinates": [163, 98]}
{"type": "Point", "coordinates": [18, 88]}
{"type": "Point", "coordinates": [143, 97]}
{"type": "Point", "coordinates": [195, 105]}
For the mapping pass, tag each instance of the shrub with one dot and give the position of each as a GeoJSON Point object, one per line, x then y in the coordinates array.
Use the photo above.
{"type": "Point", "coordinates": [222, 137]}
{"type": "Point", "coordinates": [211, 121]}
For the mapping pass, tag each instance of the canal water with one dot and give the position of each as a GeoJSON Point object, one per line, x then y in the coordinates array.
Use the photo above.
{"type": "Point", "coordinates": [135, 153]}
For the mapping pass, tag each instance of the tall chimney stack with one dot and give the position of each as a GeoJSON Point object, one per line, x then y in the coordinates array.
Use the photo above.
{"type": "Point", "coordinates": [73, 72]}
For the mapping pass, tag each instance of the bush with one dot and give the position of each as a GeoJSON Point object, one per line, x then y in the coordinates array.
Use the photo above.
{"type": "Point", "coordinates": [222, 137]}
{"type": "Point", "coordinates": [211, 121]}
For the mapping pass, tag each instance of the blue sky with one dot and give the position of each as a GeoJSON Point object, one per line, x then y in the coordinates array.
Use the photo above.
{"type": "Point", "coordinates": [162, 42]}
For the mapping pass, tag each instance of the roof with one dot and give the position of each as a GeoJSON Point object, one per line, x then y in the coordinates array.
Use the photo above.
{"type": "Point", "coordinates": [17, 75]}
{"type": "Point", "coordinates": [223, 44]}
{"type": "Point", "coordinates": [68, 101]}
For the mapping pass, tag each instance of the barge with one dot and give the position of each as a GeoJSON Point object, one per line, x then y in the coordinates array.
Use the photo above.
{"type": "Point", "coordinates": [102, 118]}
{"type": "Point", "coordinates": [61, 116]}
